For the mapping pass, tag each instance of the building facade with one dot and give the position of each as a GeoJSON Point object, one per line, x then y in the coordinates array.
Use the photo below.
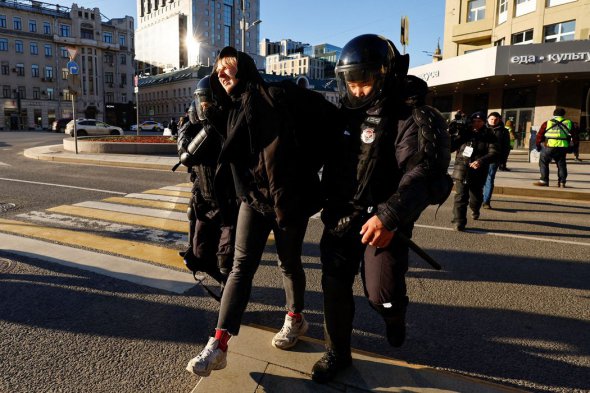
{"type": "Point", "coordinates": [175, 34]}
{"type": "Point", "coordinates": [294, 65]}
{"type": "Point", "coordinates": [34, 77]}
{"type": "Point", "coordinates": [522, 58]}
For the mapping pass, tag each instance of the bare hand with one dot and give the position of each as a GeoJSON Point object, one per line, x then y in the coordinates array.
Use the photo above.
{"type": "Point", "coordinates": [475, 165]}
{"type": "Point", "coordinates": [375, 234]}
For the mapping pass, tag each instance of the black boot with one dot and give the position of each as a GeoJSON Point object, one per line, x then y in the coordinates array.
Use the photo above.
{"type": "Point", "coordinates": [325, 369]}
{"type": "Point", "coordinates": [395, 329]}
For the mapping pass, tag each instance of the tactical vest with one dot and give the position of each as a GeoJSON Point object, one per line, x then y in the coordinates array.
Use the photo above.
{"type": "Point", "coordinates": [558, 132]}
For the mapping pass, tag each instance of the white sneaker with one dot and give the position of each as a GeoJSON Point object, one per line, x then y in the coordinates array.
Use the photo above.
{"type": "Point", "coordinates": [210, 358]}
{"type": "Point", "coordinates": [290, 333]}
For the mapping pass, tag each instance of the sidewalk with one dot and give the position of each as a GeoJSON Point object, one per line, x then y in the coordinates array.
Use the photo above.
{"type": "Point", "coordinates": [517, 182]}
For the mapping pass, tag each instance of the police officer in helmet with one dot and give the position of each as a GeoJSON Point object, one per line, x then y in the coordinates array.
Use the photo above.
{"type": "Point", "coordinates": [377, 183]}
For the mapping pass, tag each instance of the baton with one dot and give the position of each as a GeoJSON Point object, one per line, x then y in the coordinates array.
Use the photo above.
{"type": "Point", "coordinates": [175, 167]}
{"type": "Point", "coordinates": [416, 248]}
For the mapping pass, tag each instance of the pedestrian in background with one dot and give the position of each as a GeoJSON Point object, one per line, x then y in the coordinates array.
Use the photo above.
{"type": "Point", "coordinates": [476, 148]}
{"type": "Point", "coordinates": [502, 135]}
{"type": "Point", "coordinates": [554, 141]}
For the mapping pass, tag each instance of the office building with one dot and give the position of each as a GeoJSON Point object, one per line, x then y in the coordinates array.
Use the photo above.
{"type": "Point", "coordinates": [34, 42]}
{"type": "Point", "coordinates": [522, 58]}
{"type": "Point", "coordinates": [175, 34]}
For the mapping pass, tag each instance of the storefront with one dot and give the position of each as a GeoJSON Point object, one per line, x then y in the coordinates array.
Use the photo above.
{"type": "Point", "coordinates": [525, 83]}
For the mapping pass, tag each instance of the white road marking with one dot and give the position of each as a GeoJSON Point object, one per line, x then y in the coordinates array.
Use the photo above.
{"type": "Point", "coordinates": [63, 185]}
{"type": "Point", "coordinates": [137, 210]}
{"type": "Point", "coordinates": [156, 197]}
{"type": "Point", "coordinates": [491, 233]}
{"type": "Point", "coordinates": [177, 188]}
{"type": "Point", "coordinates": [4, 164]}
{"type": "Point", "coordinates": [148, 234]}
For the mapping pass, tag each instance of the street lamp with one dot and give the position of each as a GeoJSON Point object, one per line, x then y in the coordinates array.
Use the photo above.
{"type": "Point", "coordinates": [245, 26]}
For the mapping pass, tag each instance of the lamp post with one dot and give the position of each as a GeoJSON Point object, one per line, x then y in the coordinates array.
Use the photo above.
{"type": "Point", "coordinates": [245, 26]}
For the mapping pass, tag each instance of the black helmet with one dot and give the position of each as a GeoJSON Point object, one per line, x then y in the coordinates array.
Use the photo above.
{"type": "Point", "coordinates": [369, 58]}
{"type": "Point", "coordinates": [192, 112]}
{"type": "Point", "coordinates": [203, 94]}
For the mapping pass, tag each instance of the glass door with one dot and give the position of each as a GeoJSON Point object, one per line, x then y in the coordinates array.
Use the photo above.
{"type": "Point", "coordinates": [522, 121]}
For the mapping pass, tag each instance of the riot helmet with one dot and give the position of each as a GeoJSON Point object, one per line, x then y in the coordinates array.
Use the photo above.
{"type": "Point", "coordinates": [203, 95]}
{"type": "Point", "coordinates": [367, 67]}
{"type": "Point", "coordinates": [192, 112]}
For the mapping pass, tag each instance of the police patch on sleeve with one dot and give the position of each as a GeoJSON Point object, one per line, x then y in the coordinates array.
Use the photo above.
{"type": "Point", "coordinates": [368, 135]}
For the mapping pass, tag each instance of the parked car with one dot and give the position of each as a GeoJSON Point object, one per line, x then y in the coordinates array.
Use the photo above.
{"type": "Point", "coordinates": [59, 125]}
{"type": "Point", "coordinates": [148, 125]}
{"type": "Point", "coordinates": [92, 127]}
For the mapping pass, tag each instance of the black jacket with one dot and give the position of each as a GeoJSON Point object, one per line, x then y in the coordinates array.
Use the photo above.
{"type": "Point", "coordinates": [261, 152]}
{"type": "Point", "coordinates": [503, 137]}
{"type": "Point", "coordinates": [486, 150]}
{"type": "Point", "coordinates": [398, 194]}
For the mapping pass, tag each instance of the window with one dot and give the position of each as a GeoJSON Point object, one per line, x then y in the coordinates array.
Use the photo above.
{"type": "Point", "coordinates": [64, 73]}
{"type": "Point", "coordinates": [502, 11]}
{"type": "Point", "coordinates": [48, 50]}
{"type": "Point", "coordinates": [4, 68]}
{"type": "Point", "coordinates": [18, 46]}
{"type": "Point", "coordinates": [22, 92]}
{"type": "Point", "coordinates": [476, 10]}
{"type": "Point", "coordinates": [48, 73]}
{"type": "Point", "coordinates": [66, 95]}
{"type": "Point", "coordinates": [34, 70]}
{"type": "Point", "coordinates": [34, 48]}
{"type": "Point", "coordinates": [50, 94]}
{"type": "Point", "coordinates": [20, 69]}
{"type": "Point", "coordinates": [108, 58]}
{"type": "Point", "coordinates": [500, 42]}
{"type": "Point", "coordinates": [87, 34]}
{"type": "Point", "coordinates": [109, 97]}
{"type": "Point", "coordinates": [64, 52]}
{"type": "Point", "coordinates": [64, 30]}
{"type": "Point", "coordinates": [123, 59]}
{"type": "Point", "coordinates": [46, 28]}
{"type": "Point", "coordinates": [36, 93]}
{"type": "Point", "coordinates": [124, 97]}
{"type": "Point", "coordinates": [107, 37]}
{"type": "Point", "coordinates": [123, 79]}
{"type": "Point", "coordinates": [3, 44]}
{"type": "Point", "coordinates": [525, 7]}
{"type": "Point", "coordinates": [108, 78]}
{"type": "Point", "coordinates": [560, 31]}
{"type": "Point", "coordinates": [524, 37]}
{"type": "Point", "coordinates": [122, 39]}
{"type": "Point", "coordinates": [6, 91]}
{"type": "Point", "coordinates": [553, 3]}
{"type": "Point", "coordinates": [3, 21]}
{"type": "Point", "coordinates": [32, 26]}
{"type": "Point", "coordinates": [17, 23]}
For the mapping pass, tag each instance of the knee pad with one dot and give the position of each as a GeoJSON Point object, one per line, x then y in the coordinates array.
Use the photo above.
{"type": "Point", "coordinates": [190, 213]}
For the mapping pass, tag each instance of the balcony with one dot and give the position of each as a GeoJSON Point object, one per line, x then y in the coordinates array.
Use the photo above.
{"type": "Point", "coordinates": [477, 31]}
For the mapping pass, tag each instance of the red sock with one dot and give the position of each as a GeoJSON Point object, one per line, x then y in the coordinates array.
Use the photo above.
{"type": "Point", "coordinates": [223, 337]}
{"type": "Point", "coordinates": [296, 315]}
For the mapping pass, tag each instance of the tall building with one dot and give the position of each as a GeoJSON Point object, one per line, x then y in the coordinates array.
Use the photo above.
{"type": "Point", "coordinates": [287, 57]}
{"type": "Point", "coordinates": [34, 37]}
{"type": "Point", "coordinates": [522, 58]}
{"type": "Point", "coordinates": [174, 34]}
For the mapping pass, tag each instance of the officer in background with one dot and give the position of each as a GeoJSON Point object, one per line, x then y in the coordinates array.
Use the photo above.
{"type": "Point", "coordinates": [557, 135]}
{"type": "Point", "coordinates": [377, 183]}
{"type": "Point", "coordinates": [477, 148]}
{"type": "Point", "coordinates": [458, 124]}
{"type": "Point", "coordinates": [213, 206]}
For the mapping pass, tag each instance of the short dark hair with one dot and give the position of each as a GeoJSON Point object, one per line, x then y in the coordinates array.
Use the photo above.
{"type": "Point", "coordinates": [559, 112]}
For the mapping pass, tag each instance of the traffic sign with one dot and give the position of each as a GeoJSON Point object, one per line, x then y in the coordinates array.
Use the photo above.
{"type": "Point", "coordinates": [73, 67]}
{"type": "Point", "coordinates": [72, 50]}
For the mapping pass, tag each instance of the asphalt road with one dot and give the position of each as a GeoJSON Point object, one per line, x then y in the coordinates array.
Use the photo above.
{"type": "Point", "coordinates": [511, 305]}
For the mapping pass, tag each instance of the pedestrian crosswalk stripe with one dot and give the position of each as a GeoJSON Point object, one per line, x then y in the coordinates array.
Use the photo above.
{"type": "Point", "coordinates": [189, 185]}
{"type": "Point", "coordinates": [142, 211]}
{"type": "Point", "coordinates": [155, 197]}
{"type": "Point", "coordinates": [177, 188]}
{"type": "Point", "coordinates": [181, 207]}
{"type": "Point", "coordinates": [169, 192]}
{"type": "Point", "coordinates": [127, 248]}
{"type": "Point", "coordinates": [125, 218]}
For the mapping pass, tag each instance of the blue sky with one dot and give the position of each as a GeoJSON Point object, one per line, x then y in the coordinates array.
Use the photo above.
{"type": "Point", "coordinates": [333, 21]}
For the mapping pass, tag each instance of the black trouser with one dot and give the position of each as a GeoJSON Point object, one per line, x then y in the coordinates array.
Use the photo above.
{"type": "Point", "coordinates": [383, 275]}
{"type": "Point", "coordinates": [553, 153]}
{"type": "Point", "coordinates": [468, 193]}
{"type": "Point", "coordinates": [252, 232]}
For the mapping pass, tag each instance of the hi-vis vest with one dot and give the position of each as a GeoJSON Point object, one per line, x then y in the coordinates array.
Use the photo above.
{"type": "Point", "coordinates": [558, 132]}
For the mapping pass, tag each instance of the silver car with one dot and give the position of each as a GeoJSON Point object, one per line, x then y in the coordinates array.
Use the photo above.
{"type": "Point", "coordinates": [92, 127]}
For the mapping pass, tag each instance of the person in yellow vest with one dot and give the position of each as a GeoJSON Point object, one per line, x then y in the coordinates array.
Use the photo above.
{"type": "Point", "coordinates": [556, 133]}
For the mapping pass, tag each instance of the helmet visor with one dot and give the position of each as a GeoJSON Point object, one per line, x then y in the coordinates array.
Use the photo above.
{"type": "Point", "coordinates": [192, 113]}
{"type": "Point", "coordinates": [358, 86]}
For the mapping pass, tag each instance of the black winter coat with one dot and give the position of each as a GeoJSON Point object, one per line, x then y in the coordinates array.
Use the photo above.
{"type": "Point", "coordinates": [486, 150]}
{"type": "Point", "coordinates": [261, 151]}
{"type": "Point", "coordinates": [503, 137]}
